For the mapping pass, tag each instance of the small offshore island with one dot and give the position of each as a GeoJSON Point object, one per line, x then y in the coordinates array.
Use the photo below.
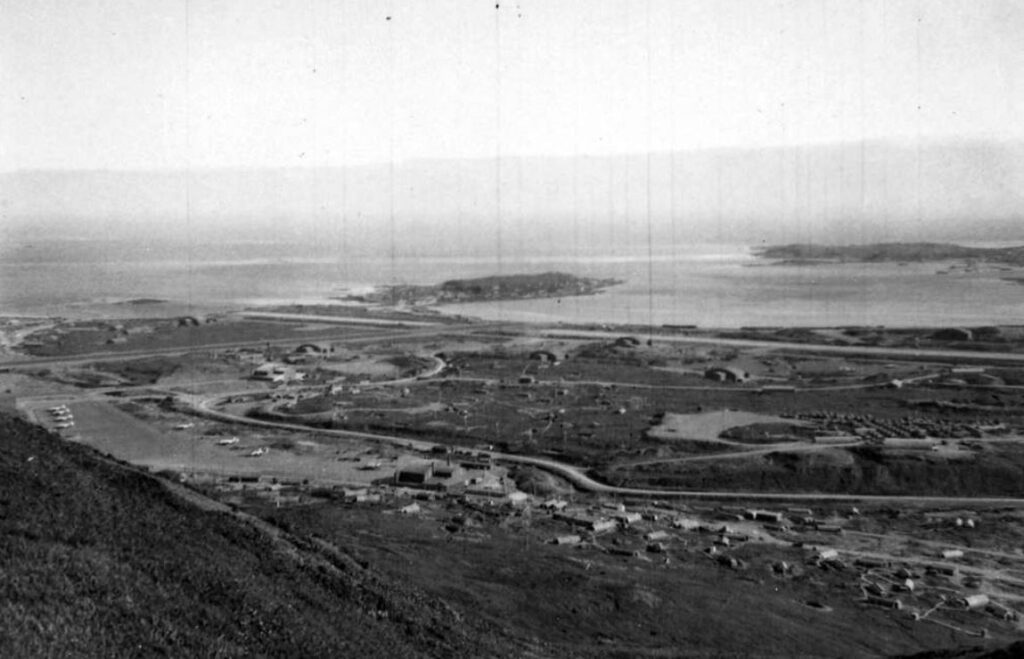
{"type": "Point", "coordinates": [487, 289]}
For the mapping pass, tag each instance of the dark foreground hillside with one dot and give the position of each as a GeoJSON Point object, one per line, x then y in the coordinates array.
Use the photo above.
{"type": "Point", "coordinates": [97, 559]}
{"type": "Point", "coordinates": [1012, 651]}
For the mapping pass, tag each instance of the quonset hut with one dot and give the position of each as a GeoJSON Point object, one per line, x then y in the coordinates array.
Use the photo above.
{"type": "Point", "coordinates": [726, 374]}
{"type": "Point", "coordinates": [549, 355]}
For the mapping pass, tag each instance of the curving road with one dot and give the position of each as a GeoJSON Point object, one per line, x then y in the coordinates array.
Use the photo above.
{"type": "Point", "coordinates": [577, 476]}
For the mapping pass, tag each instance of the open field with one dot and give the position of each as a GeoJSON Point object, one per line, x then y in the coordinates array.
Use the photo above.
{"type": "Point", "coordinates": [153, 441]}
{"type": "Point", "coordinates": [709, 426]}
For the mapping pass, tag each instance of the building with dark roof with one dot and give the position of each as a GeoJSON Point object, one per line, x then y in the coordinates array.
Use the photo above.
{"type": "Point", "coordinates": [430, 475]}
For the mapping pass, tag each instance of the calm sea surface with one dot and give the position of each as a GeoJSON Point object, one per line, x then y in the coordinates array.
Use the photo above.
{"type": "Point", "coordinates": [704, 285]}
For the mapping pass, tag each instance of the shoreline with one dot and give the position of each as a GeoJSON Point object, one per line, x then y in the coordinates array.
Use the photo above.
{"type": "Point", "coordinates": [713, 286]}
{"type": "Point", "coordinates": [707, 293]}
{"type": "Point", "coordinates": [514, 311]}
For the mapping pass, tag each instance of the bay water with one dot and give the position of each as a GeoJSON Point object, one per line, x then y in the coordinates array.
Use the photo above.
{"type": "Point", "coordinates": [704, 285]}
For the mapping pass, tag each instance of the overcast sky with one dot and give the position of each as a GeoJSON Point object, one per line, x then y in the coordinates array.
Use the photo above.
{"type": "Point", "coordinates": [125, 84]}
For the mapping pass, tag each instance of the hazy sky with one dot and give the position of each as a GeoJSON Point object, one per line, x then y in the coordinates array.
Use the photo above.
{"type": "Point", "coordinates": [128, 84]}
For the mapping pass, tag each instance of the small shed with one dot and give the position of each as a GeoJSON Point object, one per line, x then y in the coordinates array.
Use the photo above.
{"type": "Point", "coordinates": [627, 518]}
{"type": "Point", "coordinates": [765, 516]}
{"type": "Point", "coordinates": [518, 498]}
{"type": "Point", "coordinates": [687, 524]}
{"type": "Point", "coordinates": [827, 554]}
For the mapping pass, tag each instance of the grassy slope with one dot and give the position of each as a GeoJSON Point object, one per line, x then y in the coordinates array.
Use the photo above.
{"type": "Point", "coordinates": [97, 559]}
{"type": "Point", "coordinates": [864, 470]}
{"type": "Point", "coordinates": [1012, 651]}
{"type": "Point", "coordinates": [588, 605]}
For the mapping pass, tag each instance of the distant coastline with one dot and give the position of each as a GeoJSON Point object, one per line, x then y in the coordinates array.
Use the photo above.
{"type": "Point", "coordinates": [808, 254]}
{"type": "Point", "coordinates": [135, 302]}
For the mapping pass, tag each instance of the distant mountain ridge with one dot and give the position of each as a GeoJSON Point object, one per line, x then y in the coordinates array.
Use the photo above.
{"type": "Point", "coordinates": [864, 192]}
